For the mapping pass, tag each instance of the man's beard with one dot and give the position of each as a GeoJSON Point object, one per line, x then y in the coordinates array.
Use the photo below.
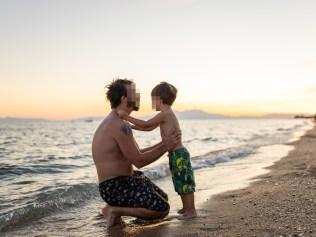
{"type": "Point", "coordinates": [133, 104]}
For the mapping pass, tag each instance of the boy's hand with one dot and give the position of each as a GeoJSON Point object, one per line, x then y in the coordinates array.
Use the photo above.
{"type": "Point", "coordinates": [121, 113]}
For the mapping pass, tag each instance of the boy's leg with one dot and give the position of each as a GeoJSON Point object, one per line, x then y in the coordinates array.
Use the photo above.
{"type": "Point", "coordinates": [188, 206]}
{"type": "Point", "coordinates": [183, 179]}
{"type": "Point", "coordinates": [112, 214]}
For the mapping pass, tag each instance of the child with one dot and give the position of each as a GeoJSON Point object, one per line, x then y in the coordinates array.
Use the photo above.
{"type": "Point", "coordinates": [163, 95]}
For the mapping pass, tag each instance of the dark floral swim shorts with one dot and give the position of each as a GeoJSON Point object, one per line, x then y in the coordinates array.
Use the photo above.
{"type": "Point", "coordinates": [134, 191]}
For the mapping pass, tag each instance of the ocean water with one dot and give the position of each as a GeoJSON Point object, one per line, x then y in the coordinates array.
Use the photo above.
{"type": "Point", "coordinates": [48, 179]}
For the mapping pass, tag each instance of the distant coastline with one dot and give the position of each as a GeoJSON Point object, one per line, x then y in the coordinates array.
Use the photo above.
{"type": "Point", "coordinates": [17, 119]}
{"type": "Point", "coordinates": [182, 115]}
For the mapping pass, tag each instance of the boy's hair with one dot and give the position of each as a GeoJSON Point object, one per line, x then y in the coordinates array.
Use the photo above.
{"type": "Point", "coordinates": [166, 92]}
{"type": "Point", "coordinates": [116, 90]}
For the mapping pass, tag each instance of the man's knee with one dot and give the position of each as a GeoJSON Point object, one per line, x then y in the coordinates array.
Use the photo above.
{"type": "Point", "coordinates": [165, 211]}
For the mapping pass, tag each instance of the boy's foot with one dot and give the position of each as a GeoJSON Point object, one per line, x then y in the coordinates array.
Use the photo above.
{"type": "Point", "coordinates": [188, 215]}
{"type": "Point", "coordinates": [111, 219]}
{"type": "Point", "coordinates": [181, 211]}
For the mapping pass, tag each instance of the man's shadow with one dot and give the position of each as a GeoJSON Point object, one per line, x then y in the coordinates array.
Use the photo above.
{"type": "Point", "coordinates": [142, 228]}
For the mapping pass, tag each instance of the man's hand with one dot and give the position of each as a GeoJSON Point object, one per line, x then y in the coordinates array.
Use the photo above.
{"type": "Point", "coordinates": [121, 113]}
{"type": "Point", "coordinates": [171, 141]}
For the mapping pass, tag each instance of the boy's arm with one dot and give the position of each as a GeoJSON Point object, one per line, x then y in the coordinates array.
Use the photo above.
{"type": "Point", "coordinates": [155, 121]}
{"type": "Point", "coordinates": [135, 127]}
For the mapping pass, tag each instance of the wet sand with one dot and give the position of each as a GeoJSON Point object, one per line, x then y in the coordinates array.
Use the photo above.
{"type": "Point", "coordinates": [279, 203]}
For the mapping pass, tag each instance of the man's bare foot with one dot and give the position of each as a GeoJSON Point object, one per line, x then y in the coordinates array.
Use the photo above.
{"type": "Point", "coordinates": [188, 215]}
{"type": "Point", "coordinates": [111, 218]}
{"type": "Point", "coordinates": [119, 222]}
{"type": "Point", "coordinates": [181, 211]}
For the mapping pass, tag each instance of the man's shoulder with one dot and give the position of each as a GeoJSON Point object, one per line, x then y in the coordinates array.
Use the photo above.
{"type": "Point", "coordinates": [119, 127]}
{"type": "Point", "coordinates": [110, 124]}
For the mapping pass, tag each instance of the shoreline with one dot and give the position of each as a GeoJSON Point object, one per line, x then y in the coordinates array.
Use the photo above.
{"type": "Point", "coordinates": [281, 202]}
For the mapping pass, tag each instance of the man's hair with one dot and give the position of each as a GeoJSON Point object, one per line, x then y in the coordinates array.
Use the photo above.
{"type": "Point", "coordinates": [166, 92]}
{"type": "Point", "coordinates": [116, 90]}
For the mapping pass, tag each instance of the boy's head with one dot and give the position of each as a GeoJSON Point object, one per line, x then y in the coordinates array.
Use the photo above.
{"type": "Point", "coordinates": [163, 93]}
{"type": "Point", "coordinates": [123, 92]}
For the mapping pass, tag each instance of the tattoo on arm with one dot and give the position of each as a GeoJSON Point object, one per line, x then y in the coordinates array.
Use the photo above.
{"type": "Point", "coordinates": [126, 130]}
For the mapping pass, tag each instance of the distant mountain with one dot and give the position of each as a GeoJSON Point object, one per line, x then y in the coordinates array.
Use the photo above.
{"type": "Point", "coordinates": [198, 114]}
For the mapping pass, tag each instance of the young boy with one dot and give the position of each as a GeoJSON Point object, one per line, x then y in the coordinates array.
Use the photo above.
{"type": "Point", "coordinates": [163, 95]}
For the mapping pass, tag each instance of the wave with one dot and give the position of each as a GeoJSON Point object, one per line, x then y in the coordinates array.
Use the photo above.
{"type": "Point", "coordinates": [49, 202]}
{"type": "Point", "coordinates": [205, 139]}
{"type": "Point", "coordinates": [281, 136]}
{"type": "Point", "coordinates": [217, 157]}
{"type": "Point", "coordinates": [204, 161]}
{"type": "Point", "coordinates": [9, 171]}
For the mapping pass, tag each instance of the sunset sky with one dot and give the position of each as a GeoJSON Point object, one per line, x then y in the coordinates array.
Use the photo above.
{"type": "Point", "coordinates": [232, 57]}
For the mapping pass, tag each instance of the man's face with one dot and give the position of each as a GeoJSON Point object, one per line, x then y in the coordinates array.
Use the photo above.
{"type": "Point", "coordinates": [156, 103]}
{"type": "Point", "coordinates": [133, 97]}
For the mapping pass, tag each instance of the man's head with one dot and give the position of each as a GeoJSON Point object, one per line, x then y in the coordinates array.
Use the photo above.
{"type": "Point", "coordinates": [122, 93]}
{"type": "Point", "coordinates": [163, 93]}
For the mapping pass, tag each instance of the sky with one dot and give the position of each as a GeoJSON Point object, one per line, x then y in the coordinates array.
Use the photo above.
{"type": "Point", "coordinates": [232, 57]}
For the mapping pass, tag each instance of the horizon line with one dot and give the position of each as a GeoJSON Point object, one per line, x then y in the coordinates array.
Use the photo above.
{"type": "Point", "coordinates": [272, 114]}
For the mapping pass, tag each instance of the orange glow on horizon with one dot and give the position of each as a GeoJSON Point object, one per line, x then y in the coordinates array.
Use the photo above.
{"type": "Point", "coordinates": [102, 108]}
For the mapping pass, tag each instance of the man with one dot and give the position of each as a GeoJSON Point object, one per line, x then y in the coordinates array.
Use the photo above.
{"type": "Point", "coordinates": [115, 151]}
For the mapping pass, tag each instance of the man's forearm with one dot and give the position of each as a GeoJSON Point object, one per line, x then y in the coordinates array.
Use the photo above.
{"type": "Point", "coordinates": [154, 154]}
{"type": "Point", "coordinates": [150, 148]}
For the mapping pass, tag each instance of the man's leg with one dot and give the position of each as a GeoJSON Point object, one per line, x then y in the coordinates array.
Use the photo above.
{"type": "Point", "coordinates": [132, 196]}
{"type": "Point", "coordinates": [154, 186]}
{"type": "Point", "coordinates": [112, 213]}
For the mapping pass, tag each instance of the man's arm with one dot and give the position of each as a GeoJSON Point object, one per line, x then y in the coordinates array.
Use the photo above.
{"type": "Point", "coordinates": [153, 122]}
{"type": "Point", "coordinates": [125, 139]}
{"type": "Point", "coordinates": [151, 147]}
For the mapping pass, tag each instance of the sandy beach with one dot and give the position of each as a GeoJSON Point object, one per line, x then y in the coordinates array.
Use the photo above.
{"type": "Point", "coordinates": [280, 203]}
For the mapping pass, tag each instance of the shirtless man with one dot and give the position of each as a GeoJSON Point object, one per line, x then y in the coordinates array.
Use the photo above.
{"type": "Point", "coordinates": [115, 151]}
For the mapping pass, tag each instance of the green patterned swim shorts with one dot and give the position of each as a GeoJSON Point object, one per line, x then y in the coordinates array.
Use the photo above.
{"type": "Point", "coordinates": [181, 171]}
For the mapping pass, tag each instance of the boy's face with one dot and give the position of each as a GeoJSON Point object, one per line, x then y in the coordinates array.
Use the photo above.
{"type": "Point", "coordinates": [156, 103]}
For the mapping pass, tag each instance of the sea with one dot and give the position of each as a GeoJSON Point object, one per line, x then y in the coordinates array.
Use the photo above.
{"type": "Point", "coordinates": [48, 179]}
